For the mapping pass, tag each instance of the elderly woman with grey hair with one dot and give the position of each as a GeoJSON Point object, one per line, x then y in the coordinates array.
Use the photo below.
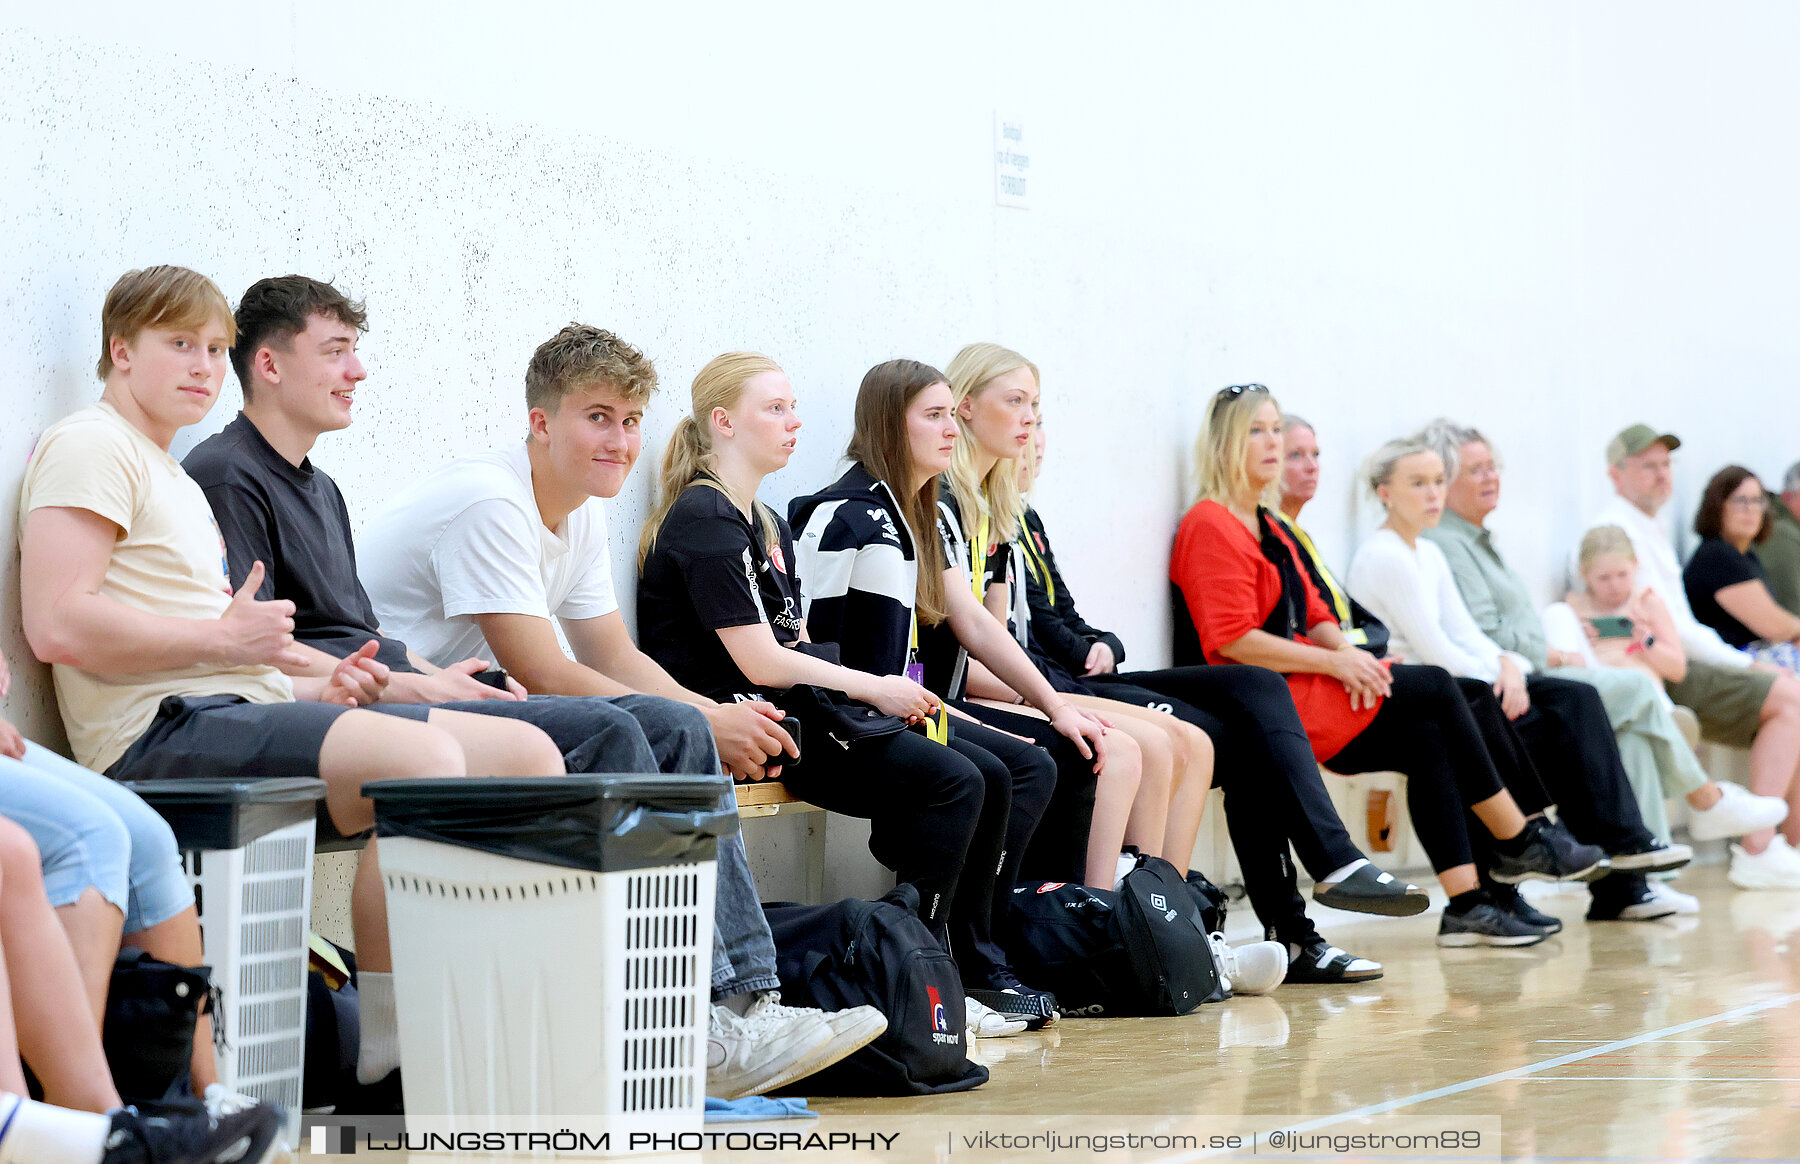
{"type": "Point", "coordinates": [1657, 758]}
{"type": "Point", "coordinates": [1405, 579]}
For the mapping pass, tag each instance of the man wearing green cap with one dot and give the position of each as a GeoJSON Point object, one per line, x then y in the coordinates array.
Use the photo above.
{"type": "Point", "coordinates": [1734, 699]}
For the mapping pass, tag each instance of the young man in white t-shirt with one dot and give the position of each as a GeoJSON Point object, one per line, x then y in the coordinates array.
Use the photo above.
{"type": "Point", "coordinates": [160, 669]}
{"type": "Point", "coordinates": [295, 356]}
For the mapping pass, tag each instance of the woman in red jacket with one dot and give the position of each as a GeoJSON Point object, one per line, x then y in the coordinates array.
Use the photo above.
{"type": "Point", "coordinates": [1236, 569]}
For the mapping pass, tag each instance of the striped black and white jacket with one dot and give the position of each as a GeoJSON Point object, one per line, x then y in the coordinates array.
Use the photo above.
{"type": "Point", "coordinates": [861, 566]}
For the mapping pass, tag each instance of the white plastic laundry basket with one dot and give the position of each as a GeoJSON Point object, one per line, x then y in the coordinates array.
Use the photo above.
{"type": "Point", "coordinates": [255, 902]}
{"type": "Point", "coordinates": [532, 991]}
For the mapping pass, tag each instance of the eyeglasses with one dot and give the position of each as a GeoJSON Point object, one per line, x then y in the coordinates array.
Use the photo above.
{"type": "Point", "coordinates": [1749, 504]}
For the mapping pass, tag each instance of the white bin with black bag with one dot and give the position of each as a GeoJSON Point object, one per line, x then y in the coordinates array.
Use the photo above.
{"type": "Point", "coordinates": [552, 948]}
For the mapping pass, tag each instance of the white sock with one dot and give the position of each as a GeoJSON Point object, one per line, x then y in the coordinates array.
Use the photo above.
{"type": "Point", "coordinates": [1127, 862]}
{"type": "Point", "coordinates": [37, 1133]}
{"type": "Point", "coordinates": [379, 1052]}
{"type": "Point", "coordinates": [1338, 875]}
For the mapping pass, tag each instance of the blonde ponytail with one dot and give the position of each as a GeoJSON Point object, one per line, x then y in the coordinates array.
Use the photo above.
{"type": "Point", "coordinates": [689, 456]}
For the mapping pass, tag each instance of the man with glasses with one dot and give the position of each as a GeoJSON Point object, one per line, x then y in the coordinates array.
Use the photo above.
{"type": "Point", "coordinates": [1648, 738]}
{"type": "Point", "coordinates": [1734, 698]}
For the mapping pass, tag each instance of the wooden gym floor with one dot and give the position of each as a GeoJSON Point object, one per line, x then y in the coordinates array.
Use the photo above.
{"type": "Point", "coordinates": [1623, 1041]}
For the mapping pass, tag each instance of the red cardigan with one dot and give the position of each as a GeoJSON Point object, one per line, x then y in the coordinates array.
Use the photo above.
{"type": "Point", "coordinates": [1230, 590]}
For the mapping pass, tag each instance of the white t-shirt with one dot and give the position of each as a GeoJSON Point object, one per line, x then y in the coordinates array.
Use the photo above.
{"type": "Point", "coordinates": [169, 560]}
{"type": "Point", "coordinates": [1411, 589]}
{"type": "Point", "coordinates": [1660, 570]}
{"type": "Point", "coordinates": [467, 540]}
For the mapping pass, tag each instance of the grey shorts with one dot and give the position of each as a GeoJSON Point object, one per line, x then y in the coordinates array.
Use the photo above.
{"type": "Point", "coordinates": [226, 737]}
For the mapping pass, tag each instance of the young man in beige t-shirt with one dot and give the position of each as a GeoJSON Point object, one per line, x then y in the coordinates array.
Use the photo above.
{"type": "Point", "coordinates": [160, 670]}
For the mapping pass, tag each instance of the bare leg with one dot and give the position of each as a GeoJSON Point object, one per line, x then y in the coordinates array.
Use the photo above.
{"type": "Point", "coordinates": [1188, 806]}
{"type": "Point", "coordinates": [1500, 813]}
{"type": "Point", "coordinates": [1114, 794]}
{"type": "Point", "coordinates": [499, 747]}
{"type": "Point", "coordinates": [1774, 756]}
{"type": "Point", "coordinates": [1458, 879]}
{"type": "Point", "coordinates": [51, 1014]}
{"type": "Point", "coordinates": [93, 926]}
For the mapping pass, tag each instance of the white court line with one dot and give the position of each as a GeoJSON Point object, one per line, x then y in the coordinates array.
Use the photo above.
{"type": "Point", "coordinates": [1375, 1109]}
{"type": "Point", "coordinates": [1667, 1078]}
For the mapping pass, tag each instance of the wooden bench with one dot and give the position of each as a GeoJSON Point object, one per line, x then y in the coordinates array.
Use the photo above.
{"type": "Point", "coordinates": [769, 798]}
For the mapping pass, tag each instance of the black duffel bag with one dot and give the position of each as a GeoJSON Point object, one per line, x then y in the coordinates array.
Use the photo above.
{"type": "Point", "coordinates": [877, 953]}
{"type": "Point", "coordinates": [1140, 951]}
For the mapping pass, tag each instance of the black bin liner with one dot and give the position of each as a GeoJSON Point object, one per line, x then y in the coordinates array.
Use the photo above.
{"type": "Point", "coordinates": [602, 823]}
{"type": "Point", "coordinates": [229, 814]}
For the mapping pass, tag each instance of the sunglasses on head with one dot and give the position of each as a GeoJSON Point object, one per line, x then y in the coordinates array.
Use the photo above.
{"type": "Point", "coordinates": [1236, 390]}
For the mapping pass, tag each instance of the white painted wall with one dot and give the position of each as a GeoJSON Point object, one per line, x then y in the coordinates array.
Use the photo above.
{"type": "Point", "coordinates": [1545, 219]}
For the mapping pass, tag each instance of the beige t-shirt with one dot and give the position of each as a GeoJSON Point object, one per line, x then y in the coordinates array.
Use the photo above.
{"type": "Point", "coordinates": [169, 560]}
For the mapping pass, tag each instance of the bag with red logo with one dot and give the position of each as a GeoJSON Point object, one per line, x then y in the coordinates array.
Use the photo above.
{"type": "Point", "coordinates": [1140, 951]}
{"type": "Point", "coordinates": [877, 953]}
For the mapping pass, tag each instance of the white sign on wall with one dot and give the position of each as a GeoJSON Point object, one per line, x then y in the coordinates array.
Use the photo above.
{"type": "Point", "coordinates": [1012, 165]}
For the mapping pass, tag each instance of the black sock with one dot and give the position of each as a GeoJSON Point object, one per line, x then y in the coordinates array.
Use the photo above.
{"type": "Point", "coordinates": [1464, 902]}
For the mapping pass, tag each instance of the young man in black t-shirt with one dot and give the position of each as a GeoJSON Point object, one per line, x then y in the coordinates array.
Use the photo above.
{"type": "Point", "coordinates": [295, 357]}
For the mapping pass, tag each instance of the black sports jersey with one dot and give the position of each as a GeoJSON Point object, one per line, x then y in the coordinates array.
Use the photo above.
{"type": "Point", "coordinates": [707, 570]}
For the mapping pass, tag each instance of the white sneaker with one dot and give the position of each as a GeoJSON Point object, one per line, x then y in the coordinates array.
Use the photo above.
{"type": "Point", "coordinates": [1252, 968]}
{"type": "Point", "coordinates": [221, 1102]}
{"type": "Point", "coordinates": [762, 1050]}
{"type": "Point", "coordinates": [851, 1029]}
{"type": "Point", "coordinates": [1776, 867]}
{"type": "Point", "coordinates": [1684, 903]}
{"type": "Point", "coordinates": [1737, 812]}
{"type": "Point", "coordinates": [983, 1022]}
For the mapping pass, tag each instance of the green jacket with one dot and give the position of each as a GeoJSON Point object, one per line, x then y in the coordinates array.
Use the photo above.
{"type": "Point", "coordinates": [1495, 596]}
{"type": "Point", "coordinates": [1781, 555]}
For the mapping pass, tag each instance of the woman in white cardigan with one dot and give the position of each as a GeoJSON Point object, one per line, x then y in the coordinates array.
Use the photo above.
{"type": "Point", "coordinates": [1406, 581]}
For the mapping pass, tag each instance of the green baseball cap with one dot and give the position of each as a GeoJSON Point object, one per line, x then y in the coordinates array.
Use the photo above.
{"type": "Point", "coordinates": [1635, 440]}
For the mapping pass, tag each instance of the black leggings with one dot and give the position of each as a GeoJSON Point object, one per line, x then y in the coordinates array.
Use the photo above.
{"type": "Point", "coordinates": [1570, 739]}
{"type": "Point", "coordinates": [1056, 847]}
{"type": "Point", "coordinates": [1426, 730]}
{"type": "Point", "coordinates": [1265, 767]}
{"type": "Point", "coordinates": [925, 804]}
{"type": "Point", "coordinates": [971, 810]}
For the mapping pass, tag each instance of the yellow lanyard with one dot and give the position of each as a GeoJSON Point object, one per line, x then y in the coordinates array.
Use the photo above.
{"type": "Point", "coordinates": [1035, 563]}
{"type": "Point", "coordinates": [937, 727]}
{"type": "Point", "coordinates": [978, 560]}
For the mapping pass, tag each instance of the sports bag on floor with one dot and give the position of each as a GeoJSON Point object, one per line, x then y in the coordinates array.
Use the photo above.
{"type": "Point", "coordinates": [877, 953]}
{"type": "Point", "coordinates": [1106, 953]}
{"type": "Point", "coordinates": [151, 1009]}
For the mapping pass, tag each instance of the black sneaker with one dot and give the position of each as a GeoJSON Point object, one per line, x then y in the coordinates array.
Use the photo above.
{"type": "Point", "coordinates": [1004, 992]}
{"type": "Point", "coordinates": [184, 1134]}
{"type": "Point", "coordinates": [1653, 857]}
{"type": "Point", "coordinates": [1486, 924]}
{"type": "Point", "coordinates": [1513, 902]}
{"type": "Point", "coordinates": [1549, 854]}
{"type": "Point", "coordinates": [1626, 897]}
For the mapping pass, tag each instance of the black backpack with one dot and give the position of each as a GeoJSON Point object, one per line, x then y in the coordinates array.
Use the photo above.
{"type": "Point", "coordinates": [1105, 953]}
{"type": "Point", "coordinates": [151, 1008]}
{"type": "Point", "coordinates": [877, 953]}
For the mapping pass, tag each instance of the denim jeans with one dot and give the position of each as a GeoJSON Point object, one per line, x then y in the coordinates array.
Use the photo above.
{"type": "Point", "coordinates": [643, 733]}
{"type": "Point", "coordinates": [93, 834]}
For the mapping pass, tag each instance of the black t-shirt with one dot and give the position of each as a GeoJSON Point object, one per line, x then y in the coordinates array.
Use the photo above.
{"type": "Point", "coordinates": [1714, 566]}
{"type": "Point", "coordinates": [293, 520]}
{"type": "Point", "coordinates": [707, 571]}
